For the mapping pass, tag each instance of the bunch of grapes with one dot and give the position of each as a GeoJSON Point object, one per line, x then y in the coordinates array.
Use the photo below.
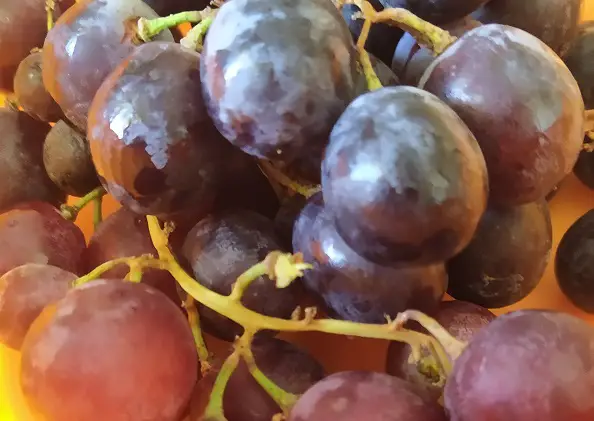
{"type": "Point", "coordinates": [294, 166]}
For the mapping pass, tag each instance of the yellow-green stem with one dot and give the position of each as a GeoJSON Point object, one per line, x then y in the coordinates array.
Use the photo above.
{"type": "Point", "coordinates": [254, 321]}
{"type": "Point", "coordinates": [277, 176]}
{"type": "Point", "coordinates": [245, 279]}
{"type": "Point", "coordinates": [214, 410]}
{"type": "Point", "coordinates": [142, 261]}
{"type": "Point", "coordinates": [150, 28]}
{"type": "Point", "coordinates": [97, 211]}
{"type": "Point", "coordinates": [194, 322]}
{"type": "Point", "coordinates": [373, 81]}
{"type": "Point", "coordinates": [50, 7]}
{"type": "Point", "coordinates": [70, 212]}
{"type": "Point", "coordinates": [195, 36]}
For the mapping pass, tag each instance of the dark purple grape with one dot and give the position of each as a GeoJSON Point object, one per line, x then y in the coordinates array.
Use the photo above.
{"type": "Point", "coordinates": [410, 60]}
{"type": "Point", "coordinates": [354, 288]}
{"type": "Point", "coordinates": [36, 232]}
{"type": "Point", "coordinates": [404, 178]}
{"type": "Point", "coordinates": [555, 22]}
{"type": "Point", "coordinates": [23, 26]}
{"type": "Point", "coordinates": [24, 292]}
{"type": "Point", "coordinates": [276, 79]}
{"type": "Point", "coordinates": [67, 160]}
{"type": "Point", "coordinates": [460, 319]}
{"type": "Point", "coordinates": [169, 7]}
{"type": "Point", "coordinates": [126, 234]}
{"type": "Point", "coordinates": [85, 45]}
{"type": "Point", "coordinates": [30, 93]}
{"type": "Point", "coordinates": [574, 264]}
{"type": "Point", "coordinates": [111, 350]}
{"type": "Point", "coordinates": [507, 257]}
{"type": "Point", "coordinates": [359, 395]}
{"type": "Point", "coordinates": [521, 103]}
{"type": "Point", "coordinates": [286, 217]}
{"type": "Point", "coordinates": [437, 11]}
{"type": "Point", "coordinates": [223, 246]}
{"type": "Point", "coordinates": [152, 142]}
{"type": "Point", "coordinates": [543, 358]}
{"type": "Point", "coordinates": [22, 172]}
{"type": "Point", "coordinates": [382, 39]}
{"type": "Point", "coordinates": [584, 167]}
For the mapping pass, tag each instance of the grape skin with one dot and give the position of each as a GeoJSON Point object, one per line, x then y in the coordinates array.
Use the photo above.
{"type": "Point", "coordinates": [526, 111]}
{"type": "Point", "coordinates": [24, 292]}
{"type": "Point", "coordinates": [110, 350]}
{"type": "Point", "coordinates": [86, 43]}
{"type": "Point", "coordinates": [403, 178]}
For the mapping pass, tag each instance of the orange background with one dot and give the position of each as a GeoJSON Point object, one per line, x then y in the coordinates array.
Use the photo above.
{"type": "Point", "coordinates": [337, 352]}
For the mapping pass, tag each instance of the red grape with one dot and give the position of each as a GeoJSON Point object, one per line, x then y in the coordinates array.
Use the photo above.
{"type": "Point", "coordinates": [126, 234]}
{"type": "Point", "coordinates": [223, 246]}
{"type": "Point", "coordinates": [354, 288]}
{"type": "Point", "coordinates": [152, 142]}
{"type": "Point", "coordinates": [30, 93]}
{"type": "Point", "coordinates": [84, 46]}
{"type": "Point", "coordinates": [36, 232]}
{"type": "Point", "coordinates": [522, 104]}
{"type": "Point", "coordinates": [110, 350]}
{"type": "Point", "coordinates": [403, 178]}
{"type": "Point", "coordinates": [459, 318]}
{"type": "Point", "coordinates": [529, 365]}
{"type": "Point", "coordinates": [67, 160]}
{"type": "Point", "coordinates": [22, 172]}
{"type": "Point", "coordinates": [356, 396]}
{"type": "Point", "coordinates": [24, 292]}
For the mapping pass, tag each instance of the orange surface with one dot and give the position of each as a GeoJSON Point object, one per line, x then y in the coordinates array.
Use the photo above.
{"type": "Point", "coordinates": [337, 352]}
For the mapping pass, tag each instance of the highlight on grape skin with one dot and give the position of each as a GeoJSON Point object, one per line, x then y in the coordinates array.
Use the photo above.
{"type": "Point", "coordinates": [252, 210]}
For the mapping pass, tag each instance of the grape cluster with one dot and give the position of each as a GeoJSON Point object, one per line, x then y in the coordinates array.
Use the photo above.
{"type": "Point", "coordinates": [294, 166]}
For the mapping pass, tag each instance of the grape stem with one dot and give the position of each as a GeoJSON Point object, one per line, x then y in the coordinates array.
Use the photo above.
{"type": "Point", "coordinates": [140, 262]}
{"type": "Point", "coordinates": [277, 176]}
{"type": "Point", "coordinates": [195, 37]}
{"type": "Point", "coordinates": [70, 212]}
{"type": "Point", "coordinates": [147, 29]}
{"type": "Point", "coordinates": [214, 409]}
{"type": "Point", "coordinates": [50, 7]}
{"type": "Point", "coordinates": [254, 322]}
{"type": "Point", "coordinates": [428, 35]}
{"type": "Point", "coordinates": [194, 322]}
{"type": "Point", "coordinates": [97, 211]}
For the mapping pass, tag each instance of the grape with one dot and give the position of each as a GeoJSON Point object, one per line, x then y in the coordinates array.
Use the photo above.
{"type": "Point", "coordinates": [437, 11]}
{"type": "Point", "coordinates": [354, 288]}
{"type": "Point", "coordinates": [126, 234]}
{"type": "Point", "coordinates": [579, 60]}
{"type": "Point", "coordinates": [152, 142]}
{"type": "Point", "coordinates": [410, 60]}
{"type": "Point", "coordinates": [24, 292]}
{"type": "Point", "coordinates": [385, 75]}
{"type": "Point", "coordinates": [521, 103]}
{"type": "Point", "coordinates": [223, 246]}
{"type": "Point", "coordinates": [21, 161]}
{"type": "Point", "coordinates": [287, 366]}
{"type": "Point", "coordinates": [555, 22]}
{"type": "Point", "coordinates": [84, 46]}
{"type": "Point", "coordinates": [528, 365]}
{"type": "Point", "coordinates": [574, 267]}
{"type": "Point", "coordinates": [110, 350]}
{"type": "Point", "coordinates": [507, 257]}
{"type": "Point", "coordinates": [277, 76]}
{"type": "Point", "coordinates": [382, 39]}
{"type": "Point", "coordinates": [460, 319]}
{"type": "Point", "coordinates": [358, 395]}
{"type": "Point", "coordinates": [36, 232]}
{"type": "Point", "coordinates": [285, 219]}
{"type": "Point", "coordinates": [67, 160]}
{"type": "Point", "coordinates": [404, 178]}
{"type": "Point", "coordinates": [30, 93]}
{"type": "Point", "coordinates": [23, 26]}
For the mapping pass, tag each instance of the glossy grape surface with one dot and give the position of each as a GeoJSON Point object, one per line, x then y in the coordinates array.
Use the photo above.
{"type": "Point", "coordinates": [522, 104]}
{"type": "Point", "coordinates": [152, 142]}
{"type": "Point", "coordinates": [403, 178]}
{"type": "Point", "coordinates": [88, 41]}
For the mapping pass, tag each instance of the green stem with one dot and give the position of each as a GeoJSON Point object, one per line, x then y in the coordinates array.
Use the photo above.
{"type": "Point", "coordinates": [373, 81]}
{"type": "Point", "coordinates": [70, 212]}
{"type": "Point", "coordinates": [214, 410]}
{"type": "Point", "coordinates": [97, 211]}
{"type": "Point", "coordinates": [150, 28]}
{"type": "Point", "coordinates": [195, 36]}
{"type": "Point", "coordinates": [277, 176]}
{"type": "Point", "coordinates": [194, 322]}
{"type": "Point", "coordinates": [50, 7]}
{"type": "Point", "coordinates": [142, 261]}
{"type": "Point", "coordinates": [254, 321]}
{"type": "Point", "coordinates": [245, 279]}
{"type": "Point", "coordinates": [283, 399]}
